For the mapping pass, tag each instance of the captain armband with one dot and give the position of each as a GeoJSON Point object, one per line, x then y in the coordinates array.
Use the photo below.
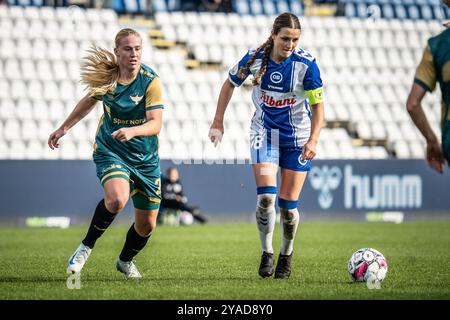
{"type": "Point", "coordinates": [315, 96]}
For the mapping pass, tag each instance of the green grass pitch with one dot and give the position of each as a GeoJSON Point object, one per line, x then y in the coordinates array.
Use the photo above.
{"type": "Point", "coordinates": [220, 261]}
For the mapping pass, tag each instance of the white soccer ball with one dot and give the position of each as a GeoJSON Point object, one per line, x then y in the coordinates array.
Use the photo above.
{"type": "Point", "coordinates": [367, 264]}
{"type": "Point", "coordinates": [186, 218]}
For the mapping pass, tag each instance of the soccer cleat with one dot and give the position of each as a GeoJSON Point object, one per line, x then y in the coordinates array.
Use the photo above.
{"type": "Point", "coordinates": [266, 266]}
{"type": "Point", "coordinates": [78, 259]}
{"type": "Point", "coordinates": [128, 269]}
{"type": "Point", "coordinates": [283, 270]}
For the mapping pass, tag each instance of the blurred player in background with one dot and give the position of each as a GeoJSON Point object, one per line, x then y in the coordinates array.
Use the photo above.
{"type": "Point", "coordinates": [173, 197]}
{"type": "Point", "coordinates": [434, 67]}
{"type": "Point", "coordinates": [285, 128]}
{"type": "Point", "coordinates": [126, 144]}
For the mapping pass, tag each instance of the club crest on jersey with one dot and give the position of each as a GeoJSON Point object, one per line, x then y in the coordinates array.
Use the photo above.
{"type": "Point", "coordinates": [276, 77]}
{"type": "Point", "coordinates": [136, 99]}
{"type": "Point", "coordinates": [270, 101]}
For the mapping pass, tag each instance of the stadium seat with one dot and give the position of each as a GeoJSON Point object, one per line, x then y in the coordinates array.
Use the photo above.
{"type": "Point", "coordinates": [36, 29]}
{"type": "Point", "coordinates": [165, 150]}
{"type": "Point", "coordinates": [4, 12]}
{"type": "Point", "coordinates": [84, 149]}
{"type": "Point", "coordinates": [417, 149]}
{"type": "Point", "coordinates": [387, 11]}
{"type": "Point", "coordinates": [242, 7]}
{"type": "Point", "coordinates": [242, 150]}
{"type": "Point", "coordinates": [400, 12]}
{"type": "Point", "coordinates": [202, 130]}
{"type": "Point", "coordinates": [28, 129]}
{"type": "Point", "coordinates": [226, 150]}
{"type": "Point", "coordinates": [350, 10]}
{"type": "Point", "coordinates": [16, 12]}
{"type": "Point", "coordinates": [170, 32]}
{"type": "Point", "coordinates": [331, 150]}
{"type": "Point", "coordinates": [66, 90]}
{"type": "Point", "coordinates": [4, 150]}
{"type": "Point", "coordinates": [23, 110]}
{"type": "Point", "coordinates": [426, 12]}
{"type": "Point", "coordinates": [59, 70]}
{"type": "Point", "coordinates": [269, 8]}
{"type": "Point", "coordinates": [438, 12]}
{"type": "Point", "coordinates": [180, 150]}
{"type": "Point", "coordinates": [346, 149]}
{"type": "Point", "coordinates": [159, 6]}
{"type": "Point", "coordinates": [18, 89]}
{"type": "Point", "coordinates": [7, 110]}
{"type": "Point", "coordinates": [68, 149]}
{"type": "Point", "coordinates": [379, 152]}
{"type": "Point", "coordinates": [362, 10]}
{"type": "Point", "coordinates": [378, 131]}
{"type": "Point", "coordinates": [256, 7]}
{"type": "Point", "coordinates": [34, 90]}
{"type": "Point", "coordinates": [12, 69]}
{"type": "Point", "coordinates": [364, 130]}
{"type": "Point", "coordinates": [47, 13]}
{"type": "Point", "coordinates": [34, 150]}
{"type": "Point", "coordinates": [282, 6]}
{"type": "Point", "coordinates": [413, 12]}
{"type": "Point", "coordinates": [187, 131]}
{"type": "Point", "coordinates": [7, 48]}
{"type": "Point", "coordinates": [40, 110]}
{"type": "Point", "coordinates": [17, 150]}
{"type": "Point", "coordinates": [363, 153]}
{"type": "Point", "coordinates": [12, 130]}
{"type": "Point", "coordinates": [196, 150]}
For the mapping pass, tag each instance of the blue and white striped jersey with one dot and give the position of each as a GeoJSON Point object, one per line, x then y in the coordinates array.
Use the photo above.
{"type": "Point", "coordinates": [281, 99]}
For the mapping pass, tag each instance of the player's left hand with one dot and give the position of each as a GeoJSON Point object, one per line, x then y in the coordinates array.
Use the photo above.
{"type": "Point", "coordinates": [435, 156]}
{"type": "Point", "coordinates": [123, 134]}
{"type": "Point", "coordinates": [309, 150]}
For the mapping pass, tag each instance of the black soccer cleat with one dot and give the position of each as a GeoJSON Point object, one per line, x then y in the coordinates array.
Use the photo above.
{"type": "Point", "coordinates": [283, 270]}
{"type": "Point", "coordinates": [266, 266]}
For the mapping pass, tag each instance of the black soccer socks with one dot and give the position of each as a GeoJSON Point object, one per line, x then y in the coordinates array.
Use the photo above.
{"type": "Point", "coordinates": [100, 222]}
{"type": "Point", "coordinates": [133, 244]}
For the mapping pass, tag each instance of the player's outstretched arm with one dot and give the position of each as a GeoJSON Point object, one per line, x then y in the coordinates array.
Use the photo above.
{"type": "Point", "coordinates": [216, 130]}
{"type": "Point", "coordinates": [435, 157]}
{"type": "Point", "coordinates": [80, 111]}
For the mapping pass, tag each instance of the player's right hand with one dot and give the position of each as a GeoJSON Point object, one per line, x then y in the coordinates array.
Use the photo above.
{"type": "Point", "coordinates": [54, 138]}
{"type": "Point", "coordinates": [216, 132]}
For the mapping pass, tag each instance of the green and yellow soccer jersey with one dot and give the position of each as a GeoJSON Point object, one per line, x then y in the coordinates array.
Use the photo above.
{"type": "Point", "coordinates": [435, 67]}
{"type": "Point", "coordinates": [126, 107]}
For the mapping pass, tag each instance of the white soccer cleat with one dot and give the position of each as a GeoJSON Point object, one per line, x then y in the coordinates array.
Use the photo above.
{"type": "Point", "coordinates": [78, 259]}
{"type": "Point", "coordinates": [128, 269]}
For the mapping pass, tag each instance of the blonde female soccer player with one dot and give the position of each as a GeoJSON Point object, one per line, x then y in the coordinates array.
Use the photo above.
{"type": "Point", "coordinates": [287, 95]}
{"type": "Point", "coordinates": [126, 144]}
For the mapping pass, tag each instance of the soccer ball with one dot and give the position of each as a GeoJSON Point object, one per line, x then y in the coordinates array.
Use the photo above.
{"type": "Point", "coordinates": [186, 218]}
{"type": "Point", "coordinates": [367, 264]}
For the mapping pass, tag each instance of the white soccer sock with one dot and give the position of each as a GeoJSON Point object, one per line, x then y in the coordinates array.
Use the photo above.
{"type": "Point", "coordinates": [265, 219]}
{"type": "Point", "coordinates": [289, 222]}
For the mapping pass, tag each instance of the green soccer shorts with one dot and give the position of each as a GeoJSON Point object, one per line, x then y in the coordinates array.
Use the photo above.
{"type": "Point", "coordinates": [145, 181]}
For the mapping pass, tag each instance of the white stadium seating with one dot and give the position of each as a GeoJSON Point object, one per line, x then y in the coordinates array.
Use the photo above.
{"type": "Point", "coordinates": [367, 69]}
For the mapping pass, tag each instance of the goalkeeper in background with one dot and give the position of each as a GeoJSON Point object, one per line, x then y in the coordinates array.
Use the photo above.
{"type": "Point", "coordinates": [434, 67]}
